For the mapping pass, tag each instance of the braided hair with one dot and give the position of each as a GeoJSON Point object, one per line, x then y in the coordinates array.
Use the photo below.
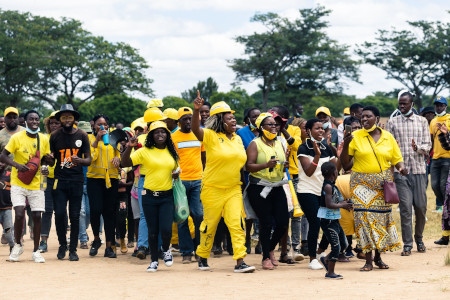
{"type": "Point", "coordinates": [215, 122]}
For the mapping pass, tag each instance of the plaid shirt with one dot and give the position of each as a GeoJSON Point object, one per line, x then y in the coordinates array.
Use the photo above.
{"type": "Point", "coordinates": [405, 130]}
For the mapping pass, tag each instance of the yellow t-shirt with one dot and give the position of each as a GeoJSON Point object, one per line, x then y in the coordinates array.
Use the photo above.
{"type": "Point", "coordinates": [438, 151]}
{"type": "Point", "coordinates": [295, 132]}
{"type": "Point", "coordinates": [224, 159]}
{"type": "Point", "coordinates": [159, 163]}
{"type": "Point", "coordinates": [101, 160]}
{"type": "Point", "coordinates": [189, 149]}
{"type": "Point", "coordinates": [23, 148]}
{"type": "Point", "coordinates": [347, 220]}
{"type": "Point", "coordinates": [264, 154]}
{"type": "Point", "coordinates": [364, 160]}
{"type": "Point", "coordinates": [141, 139]}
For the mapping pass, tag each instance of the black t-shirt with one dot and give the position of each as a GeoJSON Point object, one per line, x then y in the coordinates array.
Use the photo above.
{"type": "Point", "coordinates": [64, 146]}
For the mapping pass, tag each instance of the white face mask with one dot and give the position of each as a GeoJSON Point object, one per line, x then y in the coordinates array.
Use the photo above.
{"type": "Point", "coordinates": [313, 139]}
{"type": "Point", "coordinates": [409, 112]}
{"type": "Point", "coordinates": [326, 125]}
{"type": "Point", "coordinates": [441, 114]}
{"type": "Point", "coordinates": [31, 131]}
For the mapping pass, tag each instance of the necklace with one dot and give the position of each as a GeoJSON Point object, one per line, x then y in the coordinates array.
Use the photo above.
{"type": "Point", "coordinates": [268, 142]}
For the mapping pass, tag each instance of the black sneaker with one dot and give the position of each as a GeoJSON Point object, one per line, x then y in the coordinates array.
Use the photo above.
{"type": "Point", "coordinates": [203, 264]}
{"type": "Point", "coordinates": [61, 252]}
{"type": "Point", "coordinates": [73, 256]}
{"type": "Point", "coordinates": [109, 252]}
{"type": "Point", "coordinates": [141, 252]}
{"type": "Point", "coordinates": [96, 244]}
{"type": "Point", "coordinates": [134, 253]}
{"type": "Point", "coordinates": [244, 268]}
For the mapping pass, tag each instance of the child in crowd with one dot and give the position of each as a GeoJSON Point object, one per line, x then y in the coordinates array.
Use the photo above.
{"type": "Point", "coordinates": [6, 206]}
{"type": "Point", "coordinates": [329, 214]}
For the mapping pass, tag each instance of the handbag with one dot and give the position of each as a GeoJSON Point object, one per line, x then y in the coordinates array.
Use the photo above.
{"type": "Point", "coordinates": [33, 166]}
{"type": "Point", "coordinates": [389, 188]}
{"type": "Point", "coordinates": [181, 211]}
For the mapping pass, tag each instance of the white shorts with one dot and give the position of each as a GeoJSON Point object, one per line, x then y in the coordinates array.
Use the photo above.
{"type": "Point", "coordinates": [36, 198]}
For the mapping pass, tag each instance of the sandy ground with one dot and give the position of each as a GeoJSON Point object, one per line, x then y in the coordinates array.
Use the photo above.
{"type": "Point", "coordinates": [418, 276]}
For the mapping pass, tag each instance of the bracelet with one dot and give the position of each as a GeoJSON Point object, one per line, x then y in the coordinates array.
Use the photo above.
{"type": "Point", "coordinates": [314, 164]}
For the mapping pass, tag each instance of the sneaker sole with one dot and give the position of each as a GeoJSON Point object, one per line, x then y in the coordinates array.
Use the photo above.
{"type": "Point", "coordinates": [168, 264]}
{"type": "Point", "coordinates": [203, 268]}
{"type": "Point", "coordinates": [246, 270]}
{"type": "Point", "coordinates": [151, 270]}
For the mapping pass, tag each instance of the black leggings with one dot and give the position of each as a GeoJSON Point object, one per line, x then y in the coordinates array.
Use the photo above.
{"type": "Point", "coordinates": [103, 202]}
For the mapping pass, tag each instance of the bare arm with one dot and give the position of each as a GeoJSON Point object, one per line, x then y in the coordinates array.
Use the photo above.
{"type": "Point", "coordinates": [196, 129]}
{"type": "Point", "coordinates": [252, 154]}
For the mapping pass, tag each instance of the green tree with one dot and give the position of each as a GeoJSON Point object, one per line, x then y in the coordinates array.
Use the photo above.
{"type": "Point", "coordinates": [118, 108]}
{"type": "Point", "coordinates": [237, 99]}
{"type": "Point", "coordinates": [207, 89]}
{"type": "Point", "coordinates": [417, 58]}
{"type": "Point", "coordinates": [293, 56]}
{"type": "Point", "coordinates": [42, 58]}
{"type": "Point", "coordinates": [175, 102]}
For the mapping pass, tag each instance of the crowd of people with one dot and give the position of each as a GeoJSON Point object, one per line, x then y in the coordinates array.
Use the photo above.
{"type": "Point", "coordinates": [237, 182]}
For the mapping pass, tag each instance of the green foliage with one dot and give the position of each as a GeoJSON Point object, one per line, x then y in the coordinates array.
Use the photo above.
{"type": "Point", "coordinates": [207, 89]}
{"type": "Point", "coordinates": [417, 58]}
{"type": "Point", "coordinates": [175, 102]}
{"type": "Point", "coordinates": [43, 58]}
{"type": "Point", "coordinates": [118, 108]}
{"type": "Point", "coordinates": [237, 99]}
{"type": "Point", "coordinates": [292, 56]}
{"type": "Point", "coordinates": [385, 104]}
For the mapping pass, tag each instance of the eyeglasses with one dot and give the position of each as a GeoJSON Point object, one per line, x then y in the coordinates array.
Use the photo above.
{"type": "Point", "coordinates": [67, 118]}
{"type": "Point", "coordinates": [272, 124]}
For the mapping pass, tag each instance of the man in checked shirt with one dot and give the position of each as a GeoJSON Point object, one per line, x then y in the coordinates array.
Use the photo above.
{"type": "Point", "coordinates": [413, 136]}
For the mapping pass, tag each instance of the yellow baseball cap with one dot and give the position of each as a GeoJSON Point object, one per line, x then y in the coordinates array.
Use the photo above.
{"type": "Point", "coordinates": [324, 110]}
{"type": "Point", "coordinates": [153, 114]}
{"type": "Point", "coordinates": [182, 111]}
{"type": "Point", "coordinates": [158, 124]}
{"type": "Point", "coordinates": [155, 103]}
{"type": "Point", "coordinates": [11, 109]}
{"type": "Point", "coordinates": [220, 107]}
{"type": "Point", "coordinates": [347, 111]}
{"type": "Point", "coordinates": [261, 118]}
{"type": "Point", "coordinates": [171, 113]}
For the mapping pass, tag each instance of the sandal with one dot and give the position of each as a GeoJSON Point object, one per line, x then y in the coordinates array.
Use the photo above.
{"type": "Point", "coordinates": [286, 259]}
{"type": "Point", "coordinates": [380, 264]}
{"type": "Point", "coordinates": [366, 268]}
{"type": "Point", "coordinates": [406, 251]}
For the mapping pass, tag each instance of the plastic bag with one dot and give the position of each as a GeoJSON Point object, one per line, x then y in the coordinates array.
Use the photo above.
{"type": "Point", "coordinates": [181, 211]}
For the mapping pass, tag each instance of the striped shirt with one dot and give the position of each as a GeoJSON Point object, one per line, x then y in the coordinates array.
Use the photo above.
{"type": "Point", "coordinates": [404, 130]}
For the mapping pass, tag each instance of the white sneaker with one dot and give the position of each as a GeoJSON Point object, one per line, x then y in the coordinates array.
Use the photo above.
{"type": "Point", "coordinates": [168, 258]}
{"type": "Point", "coordinates": [323, 254]}
{"type": "Point", "coordinates": [153, 267]}
{"type": "Point", "coordinates": [315, 265]}
{"type": "Point", "coordinates": [37, 257]}
{"type": "Point", "coordinates": [16, 251]}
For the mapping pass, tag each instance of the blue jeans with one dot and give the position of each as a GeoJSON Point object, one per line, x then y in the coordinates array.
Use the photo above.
{"type": "Point", "coordinates": [186, 243]}
{"type": "Point", "coordinates": [85, 215]}
{"type": "Point", "coordinates": [143, 229]}
{"type": "Point", "coordinates": [159, 213]}
{"type": "Point", "coordinates": [7, 223]}
{"type": "Point", "coordinates": [439, 173]}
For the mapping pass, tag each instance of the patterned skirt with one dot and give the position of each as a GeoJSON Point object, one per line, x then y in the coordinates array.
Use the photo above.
{"type": "Point", "coordinates": [374, 224]}
{"type": "Point", "coordinates": [446, 208]}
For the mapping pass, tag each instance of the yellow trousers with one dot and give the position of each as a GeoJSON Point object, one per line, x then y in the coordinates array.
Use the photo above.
{"type": "Point", "coordinates": [218, 202]}
{"type": "Point", "coordinates": [191, 225]}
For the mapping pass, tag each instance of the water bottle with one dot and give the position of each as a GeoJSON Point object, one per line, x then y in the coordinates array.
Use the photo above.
{"type": "Point", "coordinates": [43, 178]}
{"type": "Point", "coordinates": [105, 137]}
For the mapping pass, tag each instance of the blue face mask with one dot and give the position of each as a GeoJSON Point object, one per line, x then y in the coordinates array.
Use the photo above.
{"type": "Point", "coordinates": [31, 131]}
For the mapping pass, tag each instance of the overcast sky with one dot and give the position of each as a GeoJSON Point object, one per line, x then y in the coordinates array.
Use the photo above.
{"type": "Point", "coordinates": [185, 41]}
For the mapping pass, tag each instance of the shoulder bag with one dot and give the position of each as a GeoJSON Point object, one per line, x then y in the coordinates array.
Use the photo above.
{"type": "Point", "coordinates": [33, 166]}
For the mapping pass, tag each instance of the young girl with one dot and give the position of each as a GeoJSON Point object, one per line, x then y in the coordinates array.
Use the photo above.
{"type": "Point", "coordinates": [329, 214]}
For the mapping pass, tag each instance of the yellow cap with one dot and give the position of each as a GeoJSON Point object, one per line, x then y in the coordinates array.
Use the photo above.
{"type": "Point", "coordinates": [261, 118]}
{"type": "Point", "coordinates": [158, 124]}
{"type": "Point", "coordinates": [153, 114]}
{"type": "Point", "coordinates": [9, 110]}
{"type": "Point", "coordinates": [347, 111]}
{"type": "Point", "coordinates": [52, 115]}
{"type": "Point", "coordinates": [139, 122]}
{"type": "Point", "coordinates": [184, 111]}
{"type": "Point", "coordinates": [155, 103]}
{"type": "Point", "coordinates": [324, 110]}
{"type": "Point", "coordinates": [171, 113]}
{"type": "Point", "coordinates": [220, 107]}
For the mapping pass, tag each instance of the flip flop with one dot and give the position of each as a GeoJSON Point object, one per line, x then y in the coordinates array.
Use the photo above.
{"type": "Point", "coordinates": [286, 259]}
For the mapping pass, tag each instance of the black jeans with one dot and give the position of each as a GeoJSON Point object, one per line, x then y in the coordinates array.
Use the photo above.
{"type": "Point", "coordinates": [103, 202]}
{"type": "Point", "coordinates": [72, 191]}
{"type": "Point", "coordinates": [121, 216]}
{"type": "Point", "coordinates": [271, 211]}
{"type": "Point", "coordinates": [158, 212]}
{"type": "Point", "coordinates": [335, 235]}
{"type": "Point", "coordinates": [310, 205]}
{"type": "Point", "coordinates": [48, 213]}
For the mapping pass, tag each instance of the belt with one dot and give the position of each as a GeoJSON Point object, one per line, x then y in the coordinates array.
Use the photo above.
{"type": "Point", "coordinates": [159, 193]}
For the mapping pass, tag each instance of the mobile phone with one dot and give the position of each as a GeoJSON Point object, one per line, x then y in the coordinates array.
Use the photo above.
{"type": "Point", "coordinates": [348, 129]}
{"type": "Point", "coordinates": [271, 169]}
